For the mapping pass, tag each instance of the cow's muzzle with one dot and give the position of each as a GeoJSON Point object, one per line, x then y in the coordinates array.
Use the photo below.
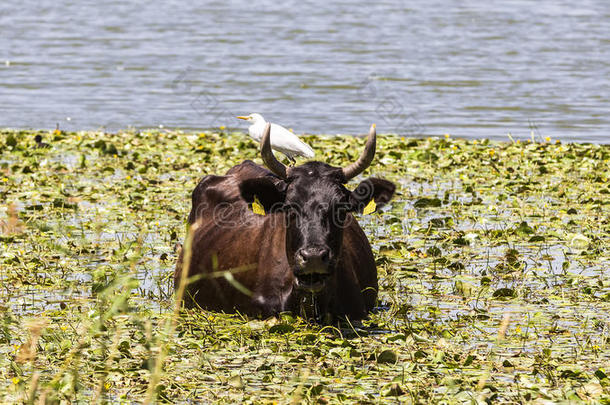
{"type": "Point", "coordinates": [312, 268]}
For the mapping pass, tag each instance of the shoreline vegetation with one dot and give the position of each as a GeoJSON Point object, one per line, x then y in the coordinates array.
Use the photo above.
{"type": "Point", "coordinates": [493, 261]}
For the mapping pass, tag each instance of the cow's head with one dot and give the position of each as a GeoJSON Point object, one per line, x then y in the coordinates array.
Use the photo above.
{"type": "Point", "coordinates": [316, 204]}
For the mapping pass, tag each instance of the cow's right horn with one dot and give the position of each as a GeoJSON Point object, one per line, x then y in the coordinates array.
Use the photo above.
{"type": "Point", "coordinates": [268, 158]}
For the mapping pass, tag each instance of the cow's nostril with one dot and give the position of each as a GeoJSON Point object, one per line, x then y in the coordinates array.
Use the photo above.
{"type": "Point", "coordinates": [303, 255]}
{"type": "Point", "coordinates": [324, 255]}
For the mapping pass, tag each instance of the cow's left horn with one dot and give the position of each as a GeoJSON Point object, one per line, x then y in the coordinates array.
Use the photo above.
{"type": "Point", "coordinates": [365, 159]}
{"type": "Point", "coordinates": [268, 158]}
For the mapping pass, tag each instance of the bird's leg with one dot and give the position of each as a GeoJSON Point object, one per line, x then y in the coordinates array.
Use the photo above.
{"type": "Point", "coordinates": [292, 161]}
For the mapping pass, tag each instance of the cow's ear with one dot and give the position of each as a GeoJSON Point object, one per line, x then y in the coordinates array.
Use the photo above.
{"type": "Point", "coordinates": [372, 189]}
{"type": "Point", "coordinates": [265, 190]}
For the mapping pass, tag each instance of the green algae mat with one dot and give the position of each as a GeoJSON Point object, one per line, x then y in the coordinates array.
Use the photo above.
{"type": "Point", "coordinates": [493, 259]}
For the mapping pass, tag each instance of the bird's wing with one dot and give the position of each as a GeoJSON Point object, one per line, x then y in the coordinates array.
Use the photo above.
{"type": "Point", "coordinates": [282, 139]}
{"type": "Point", "coordinates": [256, 131]}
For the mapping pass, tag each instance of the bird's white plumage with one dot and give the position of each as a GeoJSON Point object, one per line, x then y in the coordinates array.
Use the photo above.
{"type": "Point", "coordinates": [282, 140]}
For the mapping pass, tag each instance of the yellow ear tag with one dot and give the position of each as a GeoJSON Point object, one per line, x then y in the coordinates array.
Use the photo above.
{"type": "Point", "coordinates": [257, 207]}
{"type": "Point", "coordinates": [370, 207]}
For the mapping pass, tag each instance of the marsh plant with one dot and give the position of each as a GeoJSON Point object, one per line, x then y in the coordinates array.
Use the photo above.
{"type": "Point", "coordinates": [493, 261]}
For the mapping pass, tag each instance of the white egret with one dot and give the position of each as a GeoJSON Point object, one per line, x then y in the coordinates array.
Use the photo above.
{"type": "Point", "coordinates": [282, 140]}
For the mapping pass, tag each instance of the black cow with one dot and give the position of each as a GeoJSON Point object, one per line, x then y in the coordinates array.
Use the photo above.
{"type": "Point", "coordinates": [307, 254]}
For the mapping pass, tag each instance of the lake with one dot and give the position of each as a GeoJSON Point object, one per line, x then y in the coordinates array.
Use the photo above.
{"type": "Point", "coordinates": [471, 69]}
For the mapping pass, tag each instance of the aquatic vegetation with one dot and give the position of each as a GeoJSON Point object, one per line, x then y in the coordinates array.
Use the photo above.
{"type": "Point", "coordinates": [493, 260]}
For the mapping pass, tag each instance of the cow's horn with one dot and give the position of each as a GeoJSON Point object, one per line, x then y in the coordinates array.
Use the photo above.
{"type": "Point", "coordinates": [268, 158]}
{"type": "Point", "coordinates": [365, 159]}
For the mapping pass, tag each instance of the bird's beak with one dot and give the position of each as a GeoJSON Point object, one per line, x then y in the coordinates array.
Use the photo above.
{"type": "Point", "coordinates": [241, 117]}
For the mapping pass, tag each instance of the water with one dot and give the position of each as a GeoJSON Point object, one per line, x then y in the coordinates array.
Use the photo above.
{"type": "Point", "coordinates": [471, 69]}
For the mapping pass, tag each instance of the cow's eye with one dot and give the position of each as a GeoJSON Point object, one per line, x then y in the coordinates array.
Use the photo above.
{"type": "Point", "coordinates": [339, 214]}
{"type": "Point", "coordinates": [292, 211]}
